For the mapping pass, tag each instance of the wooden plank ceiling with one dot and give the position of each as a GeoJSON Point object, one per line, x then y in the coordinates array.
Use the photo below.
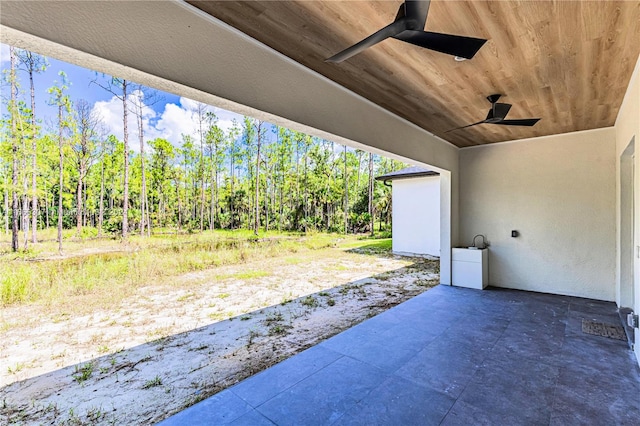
{"type": "Point", "coordinates": [568, 62]}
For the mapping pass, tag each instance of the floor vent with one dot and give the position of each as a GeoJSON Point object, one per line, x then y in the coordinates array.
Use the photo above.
{"type": "Point", "coordinates": [604, 330]}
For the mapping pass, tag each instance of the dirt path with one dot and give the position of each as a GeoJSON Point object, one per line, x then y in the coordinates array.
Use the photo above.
{"type": "Point", "coordinates": [170, 347]}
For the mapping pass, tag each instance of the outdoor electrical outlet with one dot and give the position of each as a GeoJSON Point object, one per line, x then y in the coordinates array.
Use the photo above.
{"type": "Point", "coordinates": [514, 234]}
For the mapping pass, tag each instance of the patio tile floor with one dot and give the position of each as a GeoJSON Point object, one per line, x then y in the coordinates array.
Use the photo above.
{"type": "Point", "coordinates": [450, 356]}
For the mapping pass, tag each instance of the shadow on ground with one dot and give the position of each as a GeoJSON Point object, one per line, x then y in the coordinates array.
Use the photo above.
{"type": "Point", "coordinates": [149, 382]}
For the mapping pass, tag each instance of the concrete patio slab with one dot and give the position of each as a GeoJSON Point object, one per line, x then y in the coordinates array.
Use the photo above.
{"type": "Point", "coordinates": [450, 356]}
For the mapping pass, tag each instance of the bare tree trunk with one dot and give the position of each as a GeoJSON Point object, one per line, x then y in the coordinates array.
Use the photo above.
{"type": "Point", "coordinates": [79, 202]}
{"type": "Point", "coordinates": [25, 196]}
{"type": "Point", "coordinates": [125, 192]}
{"type": "Point", "coordinates": [306, 188]}
{"type": "Point", "coordinates": [34, 163]}
{"type": "Point", "coordinates": [346, 194]}
{"type": "Point", "coordinates": [281, 209]}
{"type": "Point", "coordinates": [179, 204]}
{"type": "Point", "coordinates": [101, 207]}
{"type": "Point", "coordinates": [214, 187]}
{"type": "Point", "coordinates": [61, 177]}
{"type": "Point", "coordinates": [266, 202]}
{"type": "Point", "coordinates": [146, 206]}
{"type": "Point", "coordinates": [14, 153]}
{"type": "Point", "coordinates": [6, 205]}
{"type": "Point", "coordinates": [358, 172]}
{"type": "Point", "coordinates": [371, 192]}
{"type": "Point", "coordinates": [201, 112]}
{"type": "Point", "coordinates": [232, 212]}
{"type": "Point", "coordinates": [257, 201]}
{"type": "Point", "coordinates": [144, 210]}
{"type": "Point", "coordinates": [46, 204]}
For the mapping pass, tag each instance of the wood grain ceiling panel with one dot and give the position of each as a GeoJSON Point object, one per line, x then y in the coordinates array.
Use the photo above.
{"type": "Point", "coordinates": [568, 62]}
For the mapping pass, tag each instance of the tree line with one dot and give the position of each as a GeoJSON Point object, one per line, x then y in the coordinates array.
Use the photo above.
{"type": "Point", "coordinates": [68, 172]}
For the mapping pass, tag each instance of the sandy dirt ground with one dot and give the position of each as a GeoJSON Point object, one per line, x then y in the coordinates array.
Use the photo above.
{"type": "Point", "coordinates": [168, 348]}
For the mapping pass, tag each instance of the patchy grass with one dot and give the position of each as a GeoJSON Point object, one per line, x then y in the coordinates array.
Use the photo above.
{"type": "Point", "coordinates": [83, 373]}
{"type": "Point", "coordinates": [170, 345]}
{"type": "Point", "coordinates": [245, 275]}
{"type": "Point", "coordinates": [369, 247]}
{"type": "Point", "coordinates": [156, 381]}
{"type": "Point", "coordinates": [109, 270]}
{"type": "Point", "coordinates": [310, 301]}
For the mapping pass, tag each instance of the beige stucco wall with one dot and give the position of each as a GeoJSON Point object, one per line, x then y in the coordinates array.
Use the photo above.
{"type": "Point", "coordinates": [627, 128]}
{"type": "Point", "coordinates": [558, 192]}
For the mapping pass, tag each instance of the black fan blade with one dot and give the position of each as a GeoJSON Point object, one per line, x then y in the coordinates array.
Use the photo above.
{"type": "Point", "coordinates": [388, 31]}
{"type": "Point", "coordinates": [465, 47]}
{"type": "Point", "coordinates": [416, 12]}
{"type": "Point", "coordinates": [522, 122]}
{"type": "Point", "coordinates": [468, 125]}
{"type": "Point", "coordinates": [501, 110]}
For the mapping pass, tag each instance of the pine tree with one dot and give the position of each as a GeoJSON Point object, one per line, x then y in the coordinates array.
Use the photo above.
{"type": "Point", "coordinates": [62, 101]}
{"type": "Point", "coordinates": [33, 63]}
{"type": "Point", "coordinates": [14, 151]}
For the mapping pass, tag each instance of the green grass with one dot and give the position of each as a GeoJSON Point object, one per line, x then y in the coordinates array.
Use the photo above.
{"type": "Point", "coordinates": [83, 373]}
{"type": "Point", "coordinates": [309, 301]}
{"type": "Point", "coordinates": [369, 244]}
{"type": "Point", "coordinates": [244, 275]}
{"type": "Point", "coordinates": [156, 381]}
{"type": "Point", "coordinates": [107, 270]}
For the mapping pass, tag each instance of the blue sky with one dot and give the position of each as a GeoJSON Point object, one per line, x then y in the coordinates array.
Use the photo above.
{"type": "Point", "coordinates": [168, 118]}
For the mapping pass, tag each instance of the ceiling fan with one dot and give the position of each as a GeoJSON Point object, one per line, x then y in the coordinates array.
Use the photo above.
{"type": "Point", "coordinates": [497, 115]}
{"type": "Point", "coordinates": [408, 26]}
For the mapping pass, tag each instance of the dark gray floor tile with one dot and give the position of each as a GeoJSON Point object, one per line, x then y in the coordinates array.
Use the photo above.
{"type": "Point", "coordinates": [382, 321]}
{"type": "Point", "coordinates": [541, 343]}
{"type": "Point", "coordinates": [599, 354]}
{"type": "Point", "coordinates": [399, 402]}
{"type": "Point", "coordinates": [513, 387]}
{"type": "Point", "coordinates": [587, 399]}
{"type": "Point", "coordinates": [509, 357]}
{"type": "Point", "coordinates": [449, 374]}
{"type": "Point", "coordinates": [481, 331]}
{"type": "Point", "coordinates": [590, 306]}
{"type": "Point", "coordinates": [463, 414]}
{"type": "Point", "coordinates": [269, 383]}
{"type": "Point", "coordinates": [252, 418]}
{"type": "Point", "coordinates": [433, 322]}
{"type": "Point", "coordinates": [325, 396]}
{"type": "Point", "coordinates": [220, 409]}
{"type": "Point", "coordinates": [388, 350]}
{"type": "Point", "coordinates": [537, 314]}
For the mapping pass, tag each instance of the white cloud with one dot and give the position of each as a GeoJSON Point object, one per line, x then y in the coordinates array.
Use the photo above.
{"type": "Point", "coordinates": [177, 120]}
{"type": "Point", "coordinates": [225, 118]}
{"type": "Point", "coordinates": [171, 124]}
{"type": "Point", "coordinates": [174, 122]}
{"type": "Point", "coordinates": [4, 53]}
{"type": "Point", "coordinates": [110, 113]}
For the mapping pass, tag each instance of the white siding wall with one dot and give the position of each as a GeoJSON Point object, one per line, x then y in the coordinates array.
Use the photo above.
{"type": "Point", "coordinates": [416, 215]}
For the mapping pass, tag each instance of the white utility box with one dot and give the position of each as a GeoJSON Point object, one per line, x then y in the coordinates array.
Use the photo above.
{"type": "Point", "coordinates": [470, 268]}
